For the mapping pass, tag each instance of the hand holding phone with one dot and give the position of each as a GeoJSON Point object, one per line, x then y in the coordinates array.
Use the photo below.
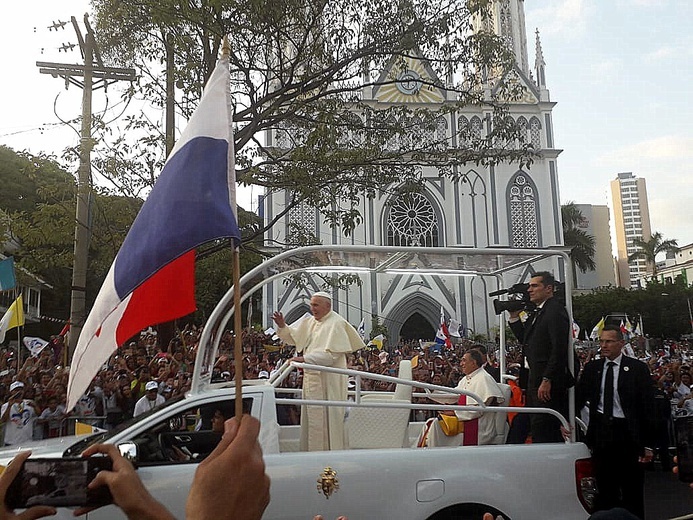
{"type": "Point", "coordinates": [6, 479]}
{"type": "Point", "coordinates": [58, 482]}
{"type": "Point", "coordinates": [126, 488]}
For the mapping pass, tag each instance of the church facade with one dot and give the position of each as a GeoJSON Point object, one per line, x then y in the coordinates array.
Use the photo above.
{"type": "Point", "coordinates": [496, 206]}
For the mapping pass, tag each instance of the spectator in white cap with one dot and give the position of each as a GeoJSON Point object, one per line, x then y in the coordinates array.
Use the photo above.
{"type": "Point", "coordinates": [18, 416]}
{"type": "Point", "coordinates": [323, 339]}
{"type": "Point", "coordinates": [150, 400]}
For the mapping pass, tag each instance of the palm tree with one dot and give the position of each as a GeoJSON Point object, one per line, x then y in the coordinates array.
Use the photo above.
{"type": "Point", "coordinates": [580, 243]}
{"type": "Point", "coordinates": [650, 248]}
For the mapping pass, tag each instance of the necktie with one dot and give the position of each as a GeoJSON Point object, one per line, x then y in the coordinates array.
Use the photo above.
{"type": "Point", "coordinates": [609, 390]}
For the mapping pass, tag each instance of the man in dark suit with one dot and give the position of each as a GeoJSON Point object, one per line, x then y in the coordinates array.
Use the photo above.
{"type": "Point", "coordinates": [622, 408]}
{"type": "Point", "coordinates": [545, 336]}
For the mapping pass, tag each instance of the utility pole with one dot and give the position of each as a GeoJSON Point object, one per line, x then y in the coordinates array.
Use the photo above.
{"type": "Point", "coordinates": [94, 76]}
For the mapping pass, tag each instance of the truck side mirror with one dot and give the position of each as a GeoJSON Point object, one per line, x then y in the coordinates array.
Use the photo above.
{"type": "Point", "coordinates": [129, 451]}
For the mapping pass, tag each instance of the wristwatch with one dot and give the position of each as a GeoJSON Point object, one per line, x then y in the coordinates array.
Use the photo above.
{"type": "Point", "coordinates": [545, 379]}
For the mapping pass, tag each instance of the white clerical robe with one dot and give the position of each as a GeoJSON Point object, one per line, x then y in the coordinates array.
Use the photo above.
{"type": "Point", "coordinates": [323, 342]}
{"type": "Point", "coordinates": [482, 384]}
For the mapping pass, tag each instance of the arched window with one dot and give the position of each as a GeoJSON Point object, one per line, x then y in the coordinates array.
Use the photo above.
{"type": "Point", "coordinates": [351, 132]}
{"type": "Point", "coordinates": [462, 132]}
{"type": "Point", "coordinates": [302, 218]}
{"type": "Point", "coordinates": [535, 133]}
{"type": "Point", "coordinates": [522, 130]}
{"type": "Point", "coordinates": [506, 24]}
{"type": "Point", "coordinates": [475, 128]}
{"type": "Point", "coordinates": [412, 221]}
{"type": "Point", "coordinates": [282, 137]}
{"type": "Point", "coordinates": [391, 143]}
{"type": "Point", "coordinates": [522, 203]}
{"type": "Point", "coordinates": [441, 133]}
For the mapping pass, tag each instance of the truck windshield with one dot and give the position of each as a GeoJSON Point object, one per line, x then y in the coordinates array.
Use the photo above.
{"type": "Point", "coordinates": [82, 444]}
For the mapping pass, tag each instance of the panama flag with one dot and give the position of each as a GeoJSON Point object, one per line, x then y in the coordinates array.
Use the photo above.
{"type": "Point", "coordinates": [152, 277]}
{"type": "Point", "coordinates": [362, 329]}
{"type": "Point", "coordinates": [442, 336]}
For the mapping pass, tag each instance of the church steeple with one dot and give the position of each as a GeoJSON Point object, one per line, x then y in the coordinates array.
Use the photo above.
{"type": "Point", "coordinates": [507, 20]}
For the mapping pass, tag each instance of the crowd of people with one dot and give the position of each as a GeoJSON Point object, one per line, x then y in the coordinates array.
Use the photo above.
{"type": "Point", "coordinates": [35, 392]}
{"type": "Point", "coordinates": [627, 393]}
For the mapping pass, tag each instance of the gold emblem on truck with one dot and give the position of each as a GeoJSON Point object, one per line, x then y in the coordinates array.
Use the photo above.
{"type": "Point", "coordinates": [328, 482]}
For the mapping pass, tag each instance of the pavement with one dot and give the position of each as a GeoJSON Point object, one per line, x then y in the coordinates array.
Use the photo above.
{"type": "Point", "coordinates": [666, 497]}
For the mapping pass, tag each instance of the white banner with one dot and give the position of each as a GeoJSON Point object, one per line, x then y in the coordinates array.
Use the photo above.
{"type": "Point", "coordinates": [35, 345]}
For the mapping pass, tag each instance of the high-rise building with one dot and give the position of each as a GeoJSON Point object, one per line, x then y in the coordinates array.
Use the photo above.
{"type": "Point", "coordinates": [595, 222]}
{"type": "Point", "coordinates": [631, 220]}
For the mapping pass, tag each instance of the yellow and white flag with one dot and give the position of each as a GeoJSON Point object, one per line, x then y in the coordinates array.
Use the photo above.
{"type": "Point", "coordinates": [597, 330]}
{"type": "Point", "coordinates": [377, 341]}
{"type": "Point", "coordinates": [14, 317]}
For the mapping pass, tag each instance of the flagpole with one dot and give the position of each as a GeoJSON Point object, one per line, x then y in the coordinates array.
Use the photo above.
{"type": "Point", "coordinates": [19, 333]}
{"type": "Point", "coordinates": [237, 317]}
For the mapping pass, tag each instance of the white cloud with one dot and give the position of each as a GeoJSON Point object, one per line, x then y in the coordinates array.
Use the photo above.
{"type": "Point", "coordinates": [668, 147]}
{"type": "Point", "coordinates": [661, 54]}
{"type": "Point", "coordinates": [664, 163]}
{"type": "Point", "coordinates": [604, 71]}
{"type": "Point", "coordinates": [645, 3]}
{"type": "Point", "coordinates": [565, 17]}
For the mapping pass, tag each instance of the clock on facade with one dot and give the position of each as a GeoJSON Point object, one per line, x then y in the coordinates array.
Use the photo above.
{"type": "Point", "coordinates": [409, 82]}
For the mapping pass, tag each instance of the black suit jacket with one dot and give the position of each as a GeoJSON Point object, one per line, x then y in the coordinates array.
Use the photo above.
{"type": "Point", "coordinates": [635, 392]}
{"type": "Point", "coordinates": [545, 337]}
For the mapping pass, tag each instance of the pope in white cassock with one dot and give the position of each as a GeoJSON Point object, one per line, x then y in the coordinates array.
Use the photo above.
{"type": "Point", "coordinates": [479, 428]}
{"type": "Point", "coordinates": [323, 339]}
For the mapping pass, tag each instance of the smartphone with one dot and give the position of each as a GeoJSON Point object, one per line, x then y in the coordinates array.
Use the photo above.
{"type": "Point", "coordinates": [59, 483]}
{"type": "Point", "coordinates": [683, 427]}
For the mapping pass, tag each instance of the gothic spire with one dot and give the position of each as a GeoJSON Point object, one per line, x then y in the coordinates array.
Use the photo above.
{"type": "Point", "coordinates": [539, 63]}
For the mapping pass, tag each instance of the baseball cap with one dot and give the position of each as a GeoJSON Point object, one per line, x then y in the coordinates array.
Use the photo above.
{"type": "Point", "coordinates": [263, 374]}
{"type": "Point", "coordinates": [151, 385]}
{"type": "Point", "coordinates": [17, 384]}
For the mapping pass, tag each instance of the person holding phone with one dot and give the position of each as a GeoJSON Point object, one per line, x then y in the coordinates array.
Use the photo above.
{"type": "Point", "coordinates": [237, 461]}
{"type": "Point", "coordinates": [18, 415]}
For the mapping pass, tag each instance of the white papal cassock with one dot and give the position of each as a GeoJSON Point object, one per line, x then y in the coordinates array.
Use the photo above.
{"type": "Point", "coordinates": [323, 342]}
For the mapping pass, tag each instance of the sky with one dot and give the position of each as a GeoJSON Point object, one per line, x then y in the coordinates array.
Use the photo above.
{"type": "Point", "coordinates": [620, 72]}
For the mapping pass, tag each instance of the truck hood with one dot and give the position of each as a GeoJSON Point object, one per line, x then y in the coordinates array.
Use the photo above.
{"type": "Point", "coordinates": [46, 448]}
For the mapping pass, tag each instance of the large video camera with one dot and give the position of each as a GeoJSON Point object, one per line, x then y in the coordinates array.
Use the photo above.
{"type": "Point", "coordinates": [518, 299]}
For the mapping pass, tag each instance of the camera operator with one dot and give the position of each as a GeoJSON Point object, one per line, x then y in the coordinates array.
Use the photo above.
{"type": "Point", "coordinates": [545, 336]}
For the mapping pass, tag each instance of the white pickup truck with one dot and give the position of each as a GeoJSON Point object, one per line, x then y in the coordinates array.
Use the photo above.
{"type": "Point", "coordinates": [380, 475]}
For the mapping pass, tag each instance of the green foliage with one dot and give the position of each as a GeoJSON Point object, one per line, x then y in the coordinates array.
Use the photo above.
{"type": "Point", "coordinates": [663, 307]}
{"type": "Point", "coordinates": [377, 327]}
{"type": "Point", "coordinates": [298, 67]}
{"type": "Point", "coordinates": [650, 248]}
{"type": "Point", "coordinates": [41, 213]}
{"type": "Point", "coordinates": [581, 244]}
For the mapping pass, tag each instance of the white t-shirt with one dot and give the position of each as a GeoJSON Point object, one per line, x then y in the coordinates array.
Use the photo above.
{"type": "Point", "coordinates": [19, 427]}
{"type": "Point", "coordinates": [54, 418]}
{"type": "Point", "coordinates": [144, 404]}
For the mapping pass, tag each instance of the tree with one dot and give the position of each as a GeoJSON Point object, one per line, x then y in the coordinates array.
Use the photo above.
{"type": "Point", "coordinates": [581, 244]}
{"type": "Point", "coordinates": [39, 205]}
{"type": "Point", "coordinates": [298, 67]}
{"type": "Point", "coordinates": [650, 248]}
